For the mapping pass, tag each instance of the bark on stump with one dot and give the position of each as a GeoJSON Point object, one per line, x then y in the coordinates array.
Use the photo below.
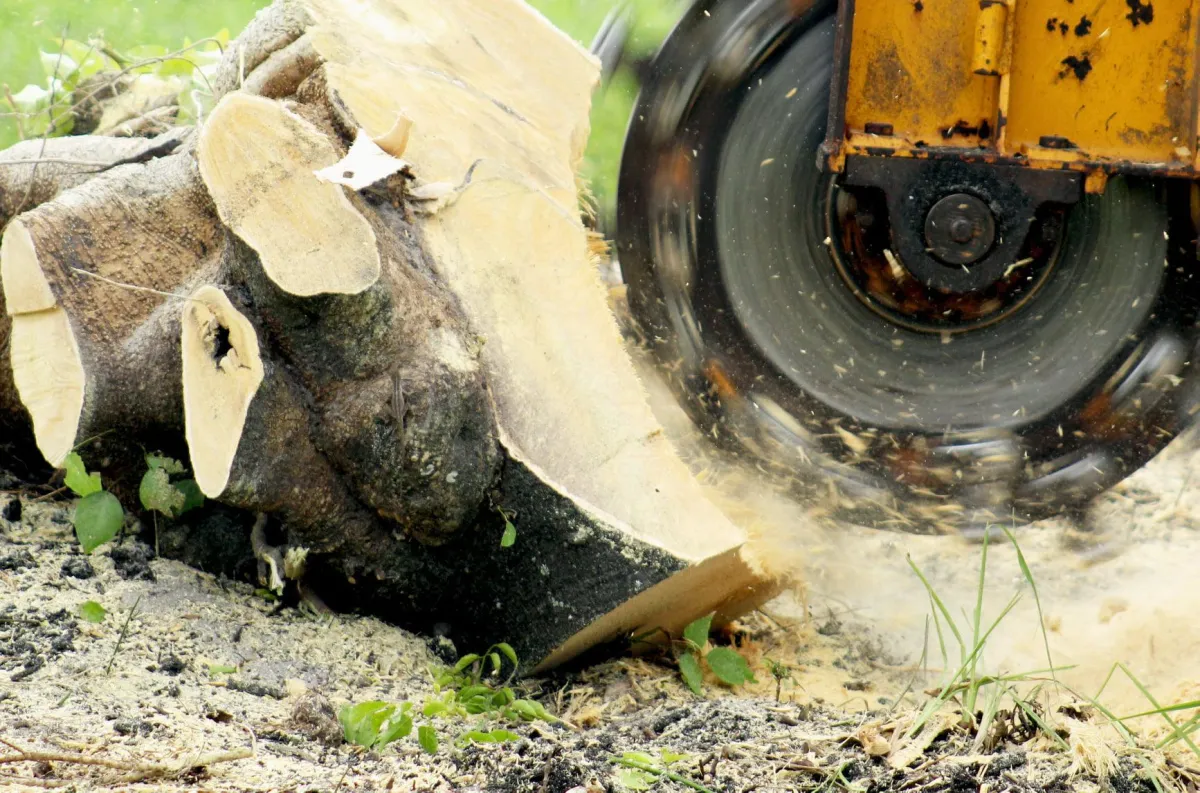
{"type": "Point", "coordinates": [365, 309]}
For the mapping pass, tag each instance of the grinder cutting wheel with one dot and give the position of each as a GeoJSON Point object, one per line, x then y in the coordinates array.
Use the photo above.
{"type": "Point", "coordinates": [939, 253]}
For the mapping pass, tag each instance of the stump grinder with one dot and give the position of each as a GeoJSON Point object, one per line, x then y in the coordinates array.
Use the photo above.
{"type": "Point", "coordinates": [940, 253]}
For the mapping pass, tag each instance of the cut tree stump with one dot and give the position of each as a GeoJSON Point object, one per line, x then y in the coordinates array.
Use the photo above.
{"type": "Point", "coordinates": [361, 301]}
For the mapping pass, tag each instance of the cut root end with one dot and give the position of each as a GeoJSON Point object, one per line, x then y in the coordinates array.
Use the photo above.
{"type": "Point", "coordinates": [222, 370]}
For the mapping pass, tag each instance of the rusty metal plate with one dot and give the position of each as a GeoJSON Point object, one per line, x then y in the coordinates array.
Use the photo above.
{"type": "Point", "coordinates": [910, 67]}
{"type": "Point", "coordinates": [1105, 84]}
{"type": "Point", "coordinates": [1113, 80]}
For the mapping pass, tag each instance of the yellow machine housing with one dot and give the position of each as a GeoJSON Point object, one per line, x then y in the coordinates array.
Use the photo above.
{"type": "Point", "coordinates": [1099, 86]}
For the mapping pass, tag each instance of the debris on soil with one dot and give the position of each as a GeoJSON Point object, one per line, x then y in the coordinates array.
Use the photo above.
{"type": "Point", "coordinates": [78, 567]}
{"type": "Point", "coordinates": [171, 711]}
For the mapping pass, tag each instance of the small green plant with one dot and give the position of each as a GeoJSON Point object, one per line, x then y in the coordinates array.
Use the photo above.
{"type": "Point", "coordinates": [373, 725]}
{"type": "Point", "coordinates": [509, 537]}
{"type": "Point", "coordinates": [98, 515]}
{"type": "Point", "coordinates": [93, 612]}
{"type": "Point", "coordinates": [979, 695]}
{"type": "Point", "coordinates": [215, 670]}
{"type": "Point", "coordinates": [726, 663]}
{"type": "Point", "coordinates": [466, 692]}
{"type": "Point", "coordinates": [160, 494]}
{"type": "Point", "coordinates": [182, 74]}
{"type": "Point", "coordinates": [781, 672]}
{"type": "Point", "coordinates": [641, 771]}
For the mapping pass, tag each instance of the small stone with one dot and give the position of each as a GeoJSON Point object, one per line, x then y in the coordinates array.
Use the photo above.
{"type": "Point", "coordinates": [443, 649]}
{"type": "Point", "coordinates": [294, 687]}
{"type": "Point", "coordinates": [12, 510]}
{"type": "Point", "coordinates": [132, 727]}
{"type": "Point", "coordinates": [132, 561]}
{"type": "Point", "coordinates": [314, 717]}
{"type": "Point", "coordinates": [77, 567]}
{"type": "Point", "coordinates": [16, 560]}
{"type": "Point", "coordinates": [172, 665]}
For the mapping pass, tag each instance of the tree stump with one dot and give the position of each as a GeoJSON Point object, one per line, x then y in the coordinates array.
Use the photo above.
{"type": "Point", "coordinates": [361, 300]}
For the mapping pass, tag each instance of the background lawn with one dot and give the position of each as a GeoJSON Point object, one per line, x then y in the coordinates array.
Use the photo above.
{"type": "Point", "coordinates": [30, 26]}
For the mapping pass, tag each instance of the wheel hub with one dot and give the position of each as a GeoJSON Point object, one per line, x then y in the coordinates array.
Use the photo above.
{"type": "Point", "coordinates": [960, 229]}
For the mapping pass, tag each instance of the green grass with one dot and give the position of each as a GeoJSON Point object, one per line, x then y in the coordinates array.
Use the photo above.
{"type": "Point", "coordinates": [30, 26]}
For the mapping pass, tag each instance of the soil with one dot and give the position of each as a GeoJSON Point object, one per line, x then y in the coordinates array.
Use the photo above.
{"type": "Point", "coordinates": [189, 671]}
{"type": "Point", "coordinates": [196, 680]}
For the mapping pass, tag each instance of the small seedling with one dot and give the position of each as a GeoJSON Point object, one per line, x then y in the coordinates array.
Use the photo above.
{"type": "Point", "coordinates": [159, 494]}
{"type": "Point", "coordinates": [373, 725]}
{"type": "Point", "coordinates": [461, 693]}
{"type": "Point", "coordinates": [726, 663]}
{"type": "Point", "coordinates": [98, 515]}
{"type": "Point", "coordinates": [91, 611]}
{"type": "Point", "coordinates": [780, 672]}
{"type": "Point", "coordinates": [640, 771]}
{"type": "Point", "coordinates": [510, 529]}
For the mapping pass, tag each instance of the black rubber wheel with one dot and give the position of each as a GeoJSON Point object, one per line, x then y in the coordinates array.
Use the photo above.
{"type": "Point", "coordinates": [728, 239]}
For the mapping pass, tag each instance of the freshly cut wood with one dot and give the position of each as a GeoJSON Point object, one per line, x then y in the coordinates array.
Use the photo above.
{"type": "Point", "coordinates": [222, 370]}
{"type": "Point", "coordinates": [257, 159]}
{"type": "Point", "coordinates": [367, 301]}
{"type": "Point", "coordinates": [81, 275]}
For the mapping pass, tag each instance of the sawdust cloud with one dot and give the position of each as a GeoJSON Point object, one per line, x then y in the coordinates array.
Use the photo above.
{"type": "Point", "coordinates": [1136, 606]}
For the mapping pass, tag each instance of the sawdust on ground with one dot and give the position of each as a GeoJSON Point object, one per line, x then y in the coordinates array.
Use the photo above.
{"type": "Point", "coordinates": [209, 671]}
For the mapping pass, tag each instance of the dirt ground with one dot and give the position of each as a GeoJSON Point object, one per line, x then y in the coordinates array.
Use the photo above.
{"type": "Point", "coordinates": [165, 707]}
{"type": "Point", "coordinates": [196, 682]}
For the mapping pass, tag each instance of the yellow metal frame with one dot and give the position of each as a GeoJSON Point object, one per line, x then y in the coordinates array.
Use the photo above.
{"type": "Point", "coordinates": [1100, 86]}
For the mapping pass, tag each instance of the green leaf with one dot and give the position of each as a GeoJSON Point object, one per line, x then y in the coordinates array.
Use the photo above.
{"type": "Point", "coordinates": [78, 479]}
{"type": "Point", "coordinates": [529, 710]}
{"type": "Point", "coordinates": [193, 498]}
{"type": "Point", "coordinates": [636, 778]}
{"type": "Point", "coordinates": [91, 611]}
{"type": "Point", "coordinates": [434, 708]}
{"type": "Point", "coordinates": [670, 758]}
{"type": "Point", "coordinates": [361, 722]}
{"type": "Point", "coordinates": [466, 661]}
{"type": "Point", "coordinates": [510, 534]}
{"type": "Point", "coordinates": [729, 666]}
{"type": "Point", "coordinates": [158, 494]}
{"type": "Point", "coordinates": [97, 518]}
{"type": "Point", "coordinates": [396, 728]}
{"type": "Point", "coordinates": [508, 652]}
{"type": "Point", "coordinates": [168, 464]}
{"type": "Point", "coordinates": [427, 737]}
{"type": "Point", "coordinates": [689, 668]}
{"type": "Point", "coordinates": [697, 632]}
{"type": "Point", "coordinates": [220, 669]}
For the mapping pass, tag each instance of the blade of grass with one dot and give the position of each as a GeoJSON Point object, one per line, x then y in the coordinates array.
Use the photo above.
{"type": "Point", "coordinates": [937, 601]}
{"type": "Point", "coordinates": [1037, 719]}
{"type": "Point", "coordinates": [1176, 735]}
{"type": "Point", "coordinates": [1037, 599]}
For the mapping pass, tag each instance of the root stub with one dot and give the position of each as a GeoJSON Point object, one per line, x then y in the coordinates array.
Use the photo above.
{"type": "Point", "coordinates": [383, 378]}
{"type": "Point", "coordinates": [222, 370]}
